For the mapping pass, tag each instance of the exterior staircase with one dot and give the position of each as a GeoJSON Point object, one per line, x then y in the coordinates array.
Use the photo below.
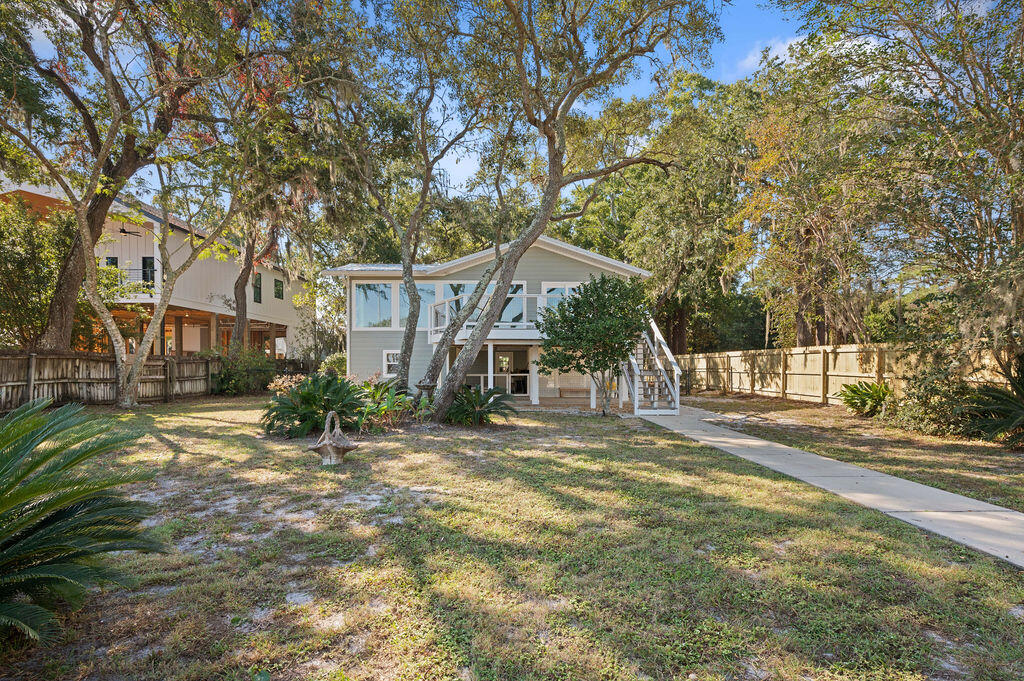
{"type": "Point", "coordinates": [651, 375]}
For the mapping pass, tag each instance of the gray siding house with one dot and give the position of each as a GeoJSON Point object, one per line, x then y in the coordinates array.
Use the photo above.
{"type": "Point", "coordinates": [550, 269]}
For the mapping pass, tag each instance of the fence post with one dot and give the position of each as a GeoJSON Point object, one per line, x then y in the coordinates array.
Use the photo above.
{"type": "Point", "coordinates": [752, 367]}
{"type": "Point", "coordinates": [824, 375]}
{"type": "Point", "coordinates": [209, 377]}
{"type": "Point", "coordinates": [30, 377]}
{"type": "Point", "coordinates": [168, 364]}
{"type": "Point", "coordinates": [784, 384]}
{"type": "Point", "coordinates": [880, 365]}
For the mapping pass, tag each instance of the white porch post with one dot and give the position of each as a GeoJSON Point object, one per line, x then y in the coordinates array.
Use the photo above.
{"type": "Point", "coordinates": [534, 355]}
{"type": "Point", "coordinates": [593, 393]}
{"type": "Point", "coordinates": [490, 365]}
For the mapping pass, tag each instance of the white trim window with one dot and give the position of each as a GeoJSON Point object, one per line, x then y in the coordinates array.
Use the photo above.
{"type": "Point", "coordinates": [512, 312]}
{"type": "Point", "coordinates": [553, 292]}
{"type": "Point", "coordinates": [427, 296]}
{"type": "Point", "coordinates": [389, 363]}
{"type": "Point", "coordinates": [374, 303]}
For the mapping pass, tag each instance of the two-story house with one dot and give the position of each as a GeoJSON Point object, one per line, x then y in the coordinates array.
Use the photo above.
{"type": "Point", "coordinates": [201, 311]}
{"type": "Point", "coordinates": [550, 269]}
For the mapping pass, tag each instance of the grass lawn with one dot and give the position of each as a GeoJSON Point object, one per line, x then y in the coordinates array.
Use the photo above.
{"type": "Point", "coordinates": [977, 469]}
{"type": "Point", "coordinates": [560, 547]}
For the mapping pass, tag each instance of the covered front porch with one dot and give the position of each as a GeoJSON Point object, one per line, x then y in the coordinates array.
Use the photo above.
{"type": "Point", "coordinates": [189, 331]}
{"type": "Point", "coordinates": [512, 367]}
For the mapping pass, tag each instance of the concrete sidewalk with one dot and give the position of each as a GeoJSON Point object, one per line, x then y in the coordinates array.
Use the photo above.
{"type": "Point", "coordinates": [979, 525]}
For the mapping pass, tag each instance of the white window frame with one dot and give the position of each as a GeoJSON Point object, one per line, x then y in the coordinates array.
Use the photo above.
{"type": "Point", "coordinates": [394, 305]}
{"type": "Point", "coordinates": [472, 284]}
{"type": "Point", "coordinates": [384, 363]}
{"type": "Point", "coordinates": [438, 290]}
{"type": "Point", "coordinates": [544, 285]}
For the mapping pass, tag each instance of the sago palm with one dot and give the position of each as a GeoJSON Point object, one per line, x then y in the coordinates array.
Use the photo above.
{"type": "Point", "coordinates": [57, 520]}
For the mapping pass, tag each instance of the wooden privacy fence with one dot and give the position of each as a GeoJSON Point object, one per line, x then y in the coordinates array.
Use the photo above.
{"type": "Point", "coordinates": [91, 378]}
{"type": "Point", "coordinates": [811, 374]}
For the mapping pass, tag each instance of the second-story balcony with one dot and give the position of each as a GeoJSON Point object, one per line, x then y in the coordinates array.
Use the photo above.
{"type": "Point", "coordinates": [518, 320]}
{"type": "Point", "coordinates": [136, 281]}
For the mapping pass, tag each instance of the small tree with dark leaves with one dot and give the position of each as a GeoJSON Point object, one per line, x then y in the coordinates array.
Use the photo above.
{"type": "Point", "coordinates": [593, 330]}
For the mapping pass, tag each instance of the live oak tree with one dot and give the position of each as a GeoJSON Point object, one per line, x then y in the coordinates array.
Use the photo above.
{"type": "Point", "coordinates": [135, 58]}
{"type": "Point", "coordinates": [594, 330]}
{"type": "Point", "coordinates": [81, 78]}
{"type": "Point", "coordinates": [955, 71]}
{"type": "Point", "coordinates": [818, 196]}
{"type": "Point", "coordinates": [413, 105]}
{"type": "Point", "coordinates": [549, 63]}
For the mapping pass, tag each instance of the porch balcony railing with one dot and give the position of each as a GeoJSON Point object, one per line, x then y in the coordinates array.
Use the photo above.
{"type": "Point", "coordinates": [520, 313]}
{"type": "Point", "coordinates": [145, 278]}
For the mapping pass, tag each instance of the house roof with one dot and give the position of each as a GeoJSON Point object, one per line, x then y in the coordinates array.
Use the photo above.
{"type": "Point", "coordinates": [545, 242]}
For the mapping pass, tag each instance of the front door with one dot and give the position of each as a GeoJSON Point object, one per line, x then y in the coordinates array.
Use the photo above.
{"type": "Point", "coordinates": [505, 375]}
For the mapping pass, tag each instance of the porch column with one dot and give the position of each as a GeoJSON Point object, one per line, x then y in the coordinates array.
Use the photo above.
{"type": "Point", "coordinates": [490, 365]}
{"type": "Point", "coordinates": [179, 332]}
{"type": "Point", "coordinates": [534, 355]}
{"type": "Point", "coordinates": [214, 331]}
{"type": "Point", "coordinates": [593, 393]}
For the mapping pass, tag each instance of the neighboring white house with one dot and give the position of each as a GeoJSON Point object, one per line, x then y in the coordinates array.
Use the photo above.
{"type": "Point", "coordinates": [377, 309]}
{"type": "Point", "coordinates": [201, 311]}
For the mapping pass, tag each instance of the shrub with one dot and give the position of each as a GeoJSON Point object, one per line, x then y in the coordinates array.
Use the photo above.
{"type": "Point", "coordinates": [282, 383]}
{"type": "Point", "coordinates": [473, 407]}
{"type": "Point", "coordinates": [933, 403]}
{"type": "Point", "coordinates": [303, 408]}
{"type": "Point", "coordinates": [864, 398]}
{"type": "Point", "coordinates": [997, 413]}
{"type": "Point", "coordinates": [336, 363]}
{"type": "Point", "coordinates": [386, 407]}
{"type": "Point", "coordinates": [57, 520]}
{"type": "Point", "coordinates": [243, 371]}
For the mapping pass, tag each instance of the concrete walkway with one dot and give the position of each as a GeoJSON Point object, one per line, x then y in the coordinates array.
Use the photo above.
{"type": "Point", "coordinates": [985, 527]}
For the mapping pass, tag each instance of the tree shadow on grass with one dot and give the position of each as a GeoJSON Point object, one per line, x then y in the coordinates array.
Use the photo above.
{"type": "Point", "coordinates": [680, 577]}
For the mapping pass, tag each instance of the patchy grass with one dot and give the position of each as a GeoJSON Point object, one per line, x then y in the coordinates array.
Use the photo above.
{"type": "Point", "coordinates": [561, 547]}
{"type": "Point", "coordinates": [977, 469]}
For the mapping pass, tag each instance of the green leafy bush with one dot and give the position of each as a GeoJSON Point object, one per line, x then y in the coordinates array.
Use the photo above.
{"type": "Point", "coordinates": [864, 398]}
{"type": "Point", "coordinates": [474, 407]}
{"type": "Point", "coordinates": [57, 520]}
{"type": "Point", "coordinates": [933, 402]}
{"type": "Point", "coordinates": [336, 363]}
{"type": "Point", "coordinates": [997, 413]}
{"type": "Point", "coordinates": [303, 408]}
{"type": "Point", "coordinates": [386, 407]}
{"type": "Point", "coordinates": [244, 371]}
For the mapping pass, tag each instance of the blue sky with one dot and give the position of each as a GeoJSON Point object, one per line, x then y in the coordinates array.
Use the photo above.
{"type": "Point", "coordinates": [749, 28]}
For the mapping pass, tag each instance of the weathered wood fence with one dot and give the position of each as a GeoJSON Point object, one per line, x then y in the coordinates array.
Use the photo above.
{"type": "Point", "coordinates": [90, 378]}
{"type": "Point", "coordinates": [812, 374]}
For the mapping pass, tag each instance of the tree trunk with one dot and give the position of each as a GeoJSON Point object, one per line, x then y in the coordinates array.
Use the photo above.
{"type": "Point", "coordinates": [515, 250]}
{"type": "Point", "coordinates": [60, 315]}
{"type": "Point", "coordinates": [433, 370]}
{"type": "Point", "coordinates": [240, 331]}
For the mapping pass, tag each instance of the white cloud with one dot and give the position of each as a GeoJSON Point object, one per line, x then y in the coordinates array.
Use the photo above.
{"type": "Point", "coordinates": [777, 47]}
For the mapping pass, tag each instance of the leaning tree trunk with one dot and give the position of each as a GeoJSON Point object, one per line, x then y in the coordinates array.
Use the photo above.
{"type": "Point", "coordinates": [240, 331]}
{"type": "Point", "coordinates": [433, 371]}
{"type": "Point", "coordinates": [457, 374]}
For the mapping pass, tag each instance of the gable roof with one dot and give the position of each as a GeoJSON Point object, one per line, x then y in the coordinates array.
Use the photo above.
{"type": "Point", "coordinates": [545, 242]}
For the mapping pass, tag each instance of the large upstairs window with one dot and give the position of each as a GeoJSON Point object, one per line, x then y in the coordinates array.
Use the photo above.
{"type": "Point", "coordinates": [426, 300]}
{"type": "Point", "coordinates": [373, 306]}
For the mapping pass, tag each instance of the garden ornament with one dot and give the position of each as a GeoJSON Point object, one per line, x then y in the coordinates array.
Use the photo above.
{"type": "Point", "coordinates": [333, 445]}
